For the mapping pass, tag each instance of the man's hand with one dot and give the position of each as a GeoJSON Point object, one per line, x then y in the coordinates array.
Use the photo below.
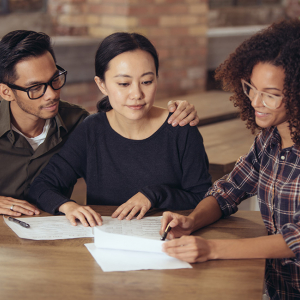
{"type": "Point", "coordinates": [86, 215]}
{"type": "Point", "coordinates": [184, 113]}
{"type": "Point", "coordinates": [19, 207]}
{"type": "Point", "coordinates": [189, 248]}
{"type": "Point", "coordinates": [181, 225]}
{"type": "Point", "coordinates": [137, 203]}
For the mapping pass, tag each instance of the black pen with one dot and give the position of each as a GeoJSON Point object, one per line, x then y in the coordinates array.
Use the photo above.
{"type": "Point", "coordinates": [23, 224]}
{"type": "Point", "coordinates": [167, 230]}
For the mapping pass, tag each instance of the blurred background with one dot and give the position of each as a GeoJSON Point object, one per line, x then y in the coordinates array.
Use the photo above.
{"type": "Point", "coordinates": [191, 36]}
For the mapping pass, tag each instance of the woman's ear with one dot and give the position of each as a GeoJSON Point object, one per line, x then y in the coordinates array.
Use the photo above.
{"type": "Point", "coordinates": [6, 93]}
{"type": "Point", "coordinates": [101, 85]}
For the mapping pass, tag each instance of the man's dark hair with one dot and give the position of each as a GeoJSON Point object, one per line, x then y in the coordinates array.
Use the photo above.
{"type": "Point", "coordinates": [19, 45]}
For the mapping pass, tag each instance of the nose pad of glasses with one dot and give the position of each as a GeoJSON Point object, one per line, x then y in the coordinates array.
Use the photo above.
{"type": "Point", "coordinates": [50, 92]}
{"type": "Point", "coordinates": [257, 96]}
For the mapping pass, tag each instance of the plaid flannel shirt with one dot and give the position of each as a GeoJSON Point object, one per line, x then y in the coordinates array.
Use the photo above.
{"type": "Point", "coordinates": [274, 176]}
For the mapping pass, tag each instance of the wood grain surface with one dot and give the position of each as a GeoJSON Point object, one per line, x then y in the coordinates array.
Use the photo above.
{"type": "Point", "coordinates": [211, 106]}
{"type": "Point", "coordinates": [64, 269]}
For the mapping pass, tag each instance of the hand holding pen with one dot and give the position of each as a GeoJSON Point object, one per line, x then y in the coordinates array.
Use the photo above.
{"type": "Point", "coordinates": [174, 225]}
{"type": "Point", "coordinates": [165, 233]}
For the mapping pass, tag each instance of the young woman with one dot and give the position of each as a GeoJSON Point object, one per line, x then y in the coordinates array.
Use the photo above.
{"type": "Point", "coordinates": [127, 153]}
{"type": "Point", "coordinates": [264, 75]}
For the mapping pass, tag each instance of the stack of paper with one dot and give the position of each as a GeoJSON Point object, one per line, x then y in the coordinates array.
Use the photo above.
{"type": "Point", "coordinates": [131, 245]}
{"type": "Point", "coordinates": [120, 245]}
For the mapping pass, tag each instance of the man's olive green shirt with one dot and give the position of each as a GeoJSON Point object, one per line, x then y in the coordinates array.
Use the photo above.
{"type": "Point", "coordinates": [19, 163]}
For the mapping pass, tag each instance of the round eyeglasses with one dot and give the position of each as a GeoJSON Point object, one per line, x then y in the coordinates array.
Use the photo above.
{"type": "Point", "coordinates": [38, 90]}
{"type": "Point", "coordinates": [269, 100]}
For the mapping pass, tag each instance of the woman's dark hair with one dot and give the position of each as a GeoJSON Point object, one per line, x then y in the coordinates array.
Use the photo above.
{"type": "Point", "coordinates": [113, 45]}
{"type": "Point", "coordinates": [278, 45]}
{"type": "Point", "coordinates": [19, 45]}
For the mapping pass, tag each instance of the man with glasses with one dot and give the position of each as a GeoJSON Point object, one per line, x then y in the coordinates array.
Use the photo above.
{"type": "Point", "coordinates": [34, 122]}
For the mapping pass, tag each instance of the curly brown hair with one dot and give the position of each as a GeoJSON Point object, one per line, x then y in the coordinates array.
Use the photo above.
{"type": "Point", "coordinates": [279, 45]}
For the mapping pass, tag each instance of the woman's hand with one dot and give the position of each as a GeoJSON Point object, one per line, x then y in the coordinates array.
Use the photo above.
{"type": "Point", "coordinates": [189, 248]}
{"type": "Point", "coordinates": [181, 225]}
{"type": "Point", "coordinates": [184, 113]}
{"type": "Point", "coordinates": [19, 207]}
{"type": "Point", "coordinates": [86, 215]}
{"type": "Point", "coordinates": [137, 203]}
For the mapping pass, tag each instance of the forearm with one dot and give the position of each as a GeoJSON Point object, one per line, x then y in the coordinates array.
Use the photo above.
{"type": "Point", "coordinates": [207, 211]}
{"type": "Point", "coordinates": [166, 197]}
{"type": "Point", "coordinates": [273, 246]}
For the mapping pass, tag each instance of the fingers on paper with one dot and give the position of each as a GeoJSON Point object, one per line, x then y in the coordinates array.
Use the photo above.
{"type": "Point", "coordinates": [128, 211]}
{"type": "Point", "coordinates": [94, 217]}
{"type": "Point", "coordinates": [187, 248]}
{"type": "Point", "coordinates": [15, 207]}
{"type": "Point", "coordinates": [185, 113]}
{"type": "Point", "coordinates": [138, 204]}
{"type": "Point", "coordinates": [86, 215]}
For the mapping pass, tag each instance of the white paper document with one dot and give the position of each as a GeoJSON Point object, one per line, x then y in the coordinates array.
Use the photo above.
{"type": "Point", "coordinates": [49, 228]}
{"type": "Point", "coordinates": [147, 227]}
{"type": "Point", "coordinates": [121, 260]}
{"type": "Point", "coordinates": [106, 240]}
{"type": "Point", "coordinates": [131, 245]}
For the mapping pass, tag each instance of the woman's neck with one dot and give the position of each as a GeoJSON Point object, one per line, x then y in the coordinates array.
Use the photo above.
{"type": "Point", "coordinates": [137, 129]}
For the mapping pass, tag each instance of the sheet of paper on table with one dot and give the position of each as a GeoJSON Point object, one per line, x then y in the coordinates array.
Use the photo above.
{"type": "Point", "coordinates": [49, 228]}
{"type": "Point", "coordinates": [59, 227]}
{"type": "Point", "coordinates": [131, 245]}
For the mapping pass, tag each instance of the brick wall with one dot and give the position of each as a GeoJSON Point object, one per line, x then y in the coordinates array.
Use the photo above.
{"type": "Point", "coordinates": [25, 5]}
{"type": "Point", "coordinates": [177, 28]}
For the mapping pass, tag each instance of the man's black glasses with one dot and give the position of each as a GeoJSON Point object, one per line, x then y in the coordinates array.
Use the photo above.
{"type": "Point", "coordinates": [38, 90]}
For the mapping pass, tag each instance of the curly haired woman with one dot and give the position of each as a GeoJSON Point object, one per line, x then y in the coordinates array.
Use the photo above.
{"type": "Point", "coordinates": [264, 75]}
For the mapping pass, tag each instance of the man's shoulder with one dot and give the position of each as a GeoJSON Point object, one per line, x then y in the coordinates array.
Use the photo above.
{"type": "Point", "coordinates": [71, 114]}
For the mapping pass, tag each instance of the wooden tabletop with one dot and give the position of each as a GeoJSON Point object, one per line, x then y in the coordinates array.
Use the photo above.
{"type": "Point", "coordinates": [64, 269]}
{"type": "Point", "coordinates": [211, 106]}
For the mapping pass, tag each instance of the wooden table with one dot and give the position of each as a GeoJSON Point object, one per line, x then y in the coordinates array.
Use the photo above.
{"type": "Point", "coordinates": [224, 143]}
{"type": "Point", "coordinates": [64, 269]}
{"type": "Point", "coordinates": [211, 106]}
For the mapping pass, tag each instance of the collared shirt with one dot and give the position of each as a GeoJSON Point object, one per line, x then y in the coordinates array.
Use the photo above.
{"type": "Point", "coordinates": [273, 174]}
{"type": "Point", "coordinates": [19, 163]}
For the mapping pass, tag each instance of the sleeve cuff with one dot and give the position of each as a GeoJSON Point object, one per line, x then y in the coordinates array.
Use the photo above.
{"type": "Point", "coordinates": [291, 235]}
{"type": "Point", "coordinates": [226, 208]}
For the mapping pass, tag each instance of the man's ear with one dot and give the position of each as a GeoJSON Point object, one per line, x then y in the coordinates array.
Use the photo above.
{"type": "Point", "coordinates": [101, 85]}
{"type": "Point", "coordinates": [6, 93]}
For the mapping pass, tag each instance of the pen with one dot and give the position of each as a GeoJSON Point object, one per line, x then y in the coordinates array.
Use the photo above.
{"type": "Point", "coordinates": [167, 230]}
{"type": "Point", "coordinates": [23, 224]}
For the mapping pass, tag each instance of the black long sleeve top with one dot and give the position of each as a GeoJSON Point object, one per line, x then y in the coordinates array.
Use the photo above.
{"type": "Point", "coordinates": [170, 167]}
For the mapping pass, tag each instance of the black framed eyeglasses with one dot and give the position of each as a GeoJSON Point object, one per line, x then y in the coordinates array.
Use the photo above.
{"type": "Point", "coordinates": [38, 90]}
